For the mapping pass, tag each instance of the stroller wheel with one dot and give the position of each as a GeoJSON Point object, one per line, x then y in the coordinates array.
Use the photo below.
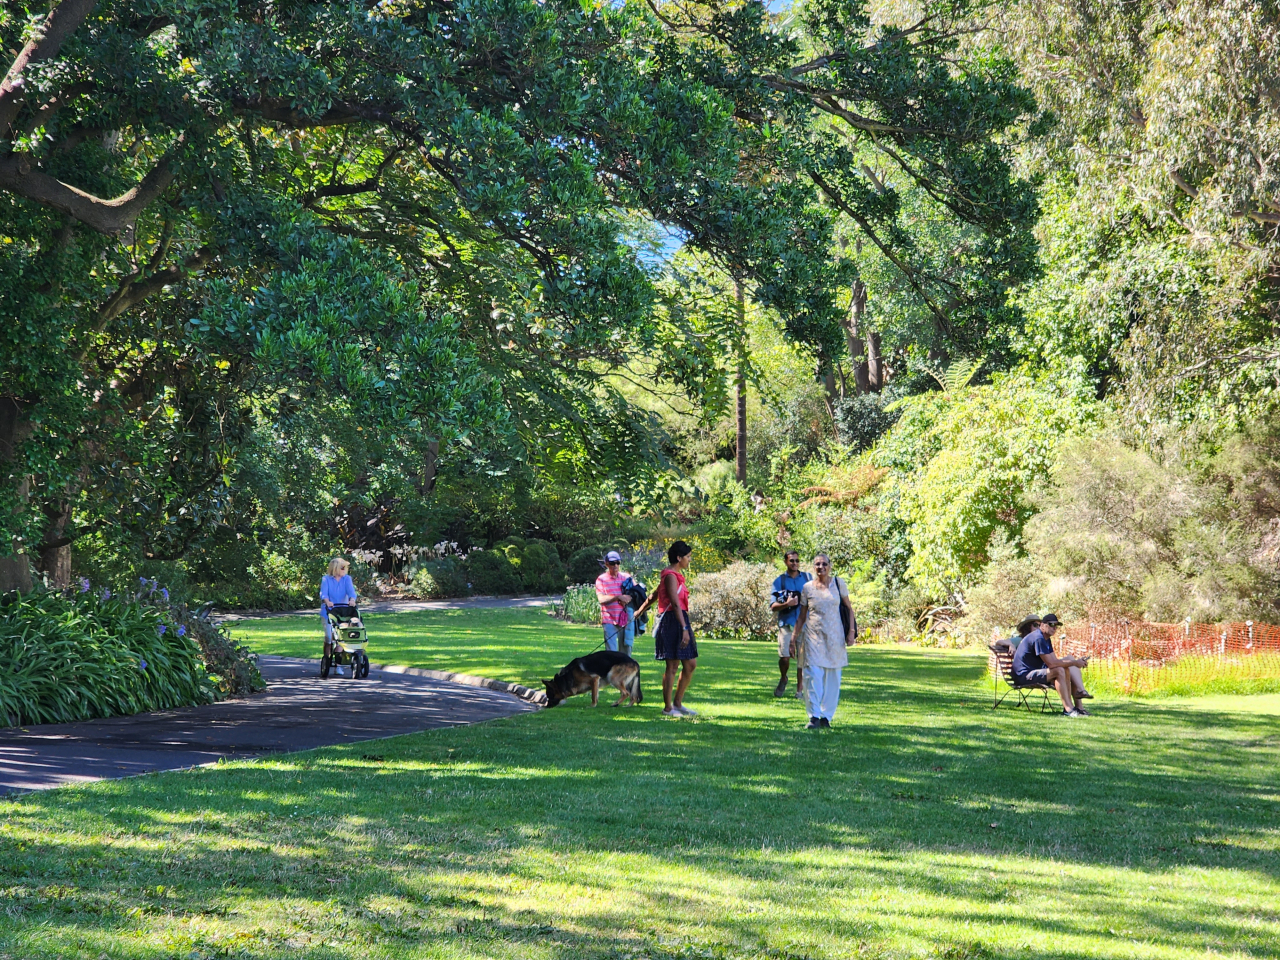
{"type": "Point", "coordinates": [364, 666]}
{"type": "Point", "coordinates": [324, 667]}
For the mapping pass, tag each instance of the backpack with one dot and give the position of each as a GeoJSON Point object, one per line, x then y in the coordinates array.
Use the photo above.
{"type": "Point", "coordinates": [845, 609]}
{"type": "Point", "coordinates": [638, 594]}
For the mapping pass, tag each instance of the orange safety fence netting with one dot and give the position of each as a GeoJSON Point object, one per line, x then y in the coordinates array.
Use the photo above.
{"type": "Point", "coordinates": [1136, 657]}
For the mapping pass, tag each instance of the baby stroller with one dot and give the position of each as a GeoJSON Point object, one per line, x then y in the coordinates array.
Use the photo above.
{"type": "Point", "coordinates": [348, 645]}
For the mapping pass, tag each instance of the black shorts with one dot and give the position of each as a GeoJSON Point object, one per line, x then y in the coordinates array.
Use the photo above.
{"type": "Point", "coordinates": [1032, 677]}
{"type": "Point", "coordinates": [667, 637]}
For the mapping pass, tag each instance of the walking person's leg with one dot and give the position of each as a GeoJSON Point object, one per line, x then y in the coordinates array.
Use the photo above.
{"type": "Point", "coordinates": [801, 667]}
{"type": "Point", "coordinates": [668, 682]}
{"type": "Point", "coordinates": [830, 694]}
{"type": "Point", "coordinates": [686, 674]}
{"type": "Point", "coordinates": [629, 637]}
{"type": "Point", "coordinates": [813, 691]}
{"type": "Point", "coordinates": [784, 660]}
{"type": "Point", "coordinates": [611, 637]}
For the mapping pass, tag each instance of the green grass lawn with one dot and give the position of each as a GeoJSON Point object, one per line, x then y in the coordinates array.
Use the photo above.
{"type": "Point", "coordinates": [924, 825]}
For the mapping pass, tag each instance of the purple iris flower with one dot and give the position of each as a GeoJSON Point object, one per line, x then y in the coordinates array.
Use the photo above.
{"type": "Point", "coordinates": [142, 664]}
{"type": "Point", "coordinates": [106, 593]}
{"type": "Point", "coordinates": [162, 628]}
{"type": "Point", "coordinates": [182, 631]}
{"type": "Point", "coordinates": [164, 592]}
{"type": "Point", "coordinates": [84, 585]}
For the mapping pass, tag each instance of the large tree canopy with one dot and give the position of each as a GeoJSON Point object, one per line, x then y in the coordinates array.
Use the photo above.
{"type": "Point", "coordinates": [409, 212]}
{"type": "Point", "coordinates": [408, 220]}
{"type": "Point", "coordinates": [906, 126]}
{"type": "Point", "coordinates": [1163, 199]}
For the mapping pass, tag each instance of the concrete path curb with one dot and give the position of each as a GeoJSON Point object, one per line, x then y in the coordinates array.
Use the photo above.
{"type": "Point", "coordinates": [501, 686]}
{"type": "Point", "coordinates": [466, 679]}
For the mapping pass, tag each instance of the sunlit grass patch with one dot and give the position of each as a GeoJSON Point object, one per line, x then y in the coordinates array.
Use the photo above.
{"type": "Point", "coordinates": [925, 825]}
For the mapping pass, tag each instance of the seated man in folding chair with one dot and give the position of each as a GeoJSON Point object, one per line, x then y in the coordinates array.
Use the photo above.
{"type": "Point", "coordinates": [1035, 662]}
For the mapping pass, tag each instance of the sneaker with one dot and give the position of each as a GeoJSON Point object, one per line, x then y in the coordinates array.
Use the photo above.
{"type": "Point", "coordinates": [826, 724]}
{"type": "Point", "coordinates": [799, 694]}
{"type": "Point", "coordinates": [813, 724]}
{"type": "Point", "coordinates": [781, 689]}
{"type": "Point", "coordinates": [686, 711]}
{"type": "Point", "coordinates": [1072, 713]}
{"type": "Point", "coordinates": [338, 671]}
{"type": "Point", "coordinates": [672, 712]}
{"type": "Point", "coordinates": [1082, 712]}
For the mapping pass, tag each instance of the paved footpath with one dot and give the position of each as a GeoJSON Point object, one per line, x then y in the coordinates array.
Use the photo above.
{"type": "Point", "coordinates": [298, 712]}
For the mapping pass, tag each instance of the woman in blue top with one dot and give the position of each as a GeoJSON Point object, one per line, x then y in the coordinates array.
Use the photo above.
{"type": "Point", "coordinates": [336, 589]}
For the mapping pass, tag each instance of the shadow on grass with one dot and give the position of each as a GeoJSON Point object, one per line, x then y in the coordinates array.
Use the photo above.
{"type": "Point", "coordinates": [580, 832]}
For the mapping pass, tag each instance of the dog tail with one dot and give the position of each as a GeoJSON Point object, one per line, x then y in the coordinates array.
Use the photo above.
{"type": "Point", "coordinates": [634, 687]}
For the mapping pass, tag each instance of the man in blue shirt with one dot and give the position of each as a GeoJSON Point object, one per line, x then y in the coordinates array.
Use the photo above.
{"type": "Point", "coordinates": [1035, 662]}
{"type": "Point", "coordinates": [786, 604]}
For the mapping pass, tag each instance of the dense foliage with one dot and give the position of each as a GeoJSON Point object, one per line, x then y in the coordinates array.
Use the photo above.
{"type": "Point", "coordinates": [89, 653]}
{"type": "Point", "coordinates": [979, 300]}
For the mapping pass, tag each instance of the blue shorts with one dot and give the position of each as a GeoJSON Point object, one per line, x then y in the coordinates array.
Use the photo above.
{"type": "Point", "coordinates": [1033, 677]}
{"type": "Point", "coordinates": [628, 634]}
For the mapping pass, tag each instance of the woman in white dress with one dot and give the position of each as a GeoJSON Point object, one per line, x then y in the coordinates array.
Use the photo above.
{"type": "Point", "coordinates": [826, 642]}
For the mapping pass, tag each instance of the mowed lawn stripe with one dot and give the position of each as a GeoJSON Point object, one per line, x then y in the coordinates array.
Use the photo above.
{"type": "Point", "coordinates": [1147, 831]}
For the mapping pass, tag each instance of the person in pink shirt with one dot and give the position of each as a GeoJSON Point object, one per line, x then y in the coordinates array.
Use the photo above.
{"type": "Point", "coordinates": [615, 612]}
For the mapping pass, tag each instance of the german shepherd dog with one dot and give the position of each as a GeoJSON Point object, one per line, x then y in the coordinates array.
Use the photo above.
{"type": "Point", "coordinates": [586, 673]}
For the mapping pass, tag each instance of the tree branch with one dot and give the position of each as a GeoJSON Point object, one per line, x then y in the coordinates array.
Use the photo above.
{"type": "Point", "coordinates": [105, 216]}
{"type": "Point", "coordinates": [906, 269]}
{"type": "Point", "coordinates": [1182, 184]}
{"type": "Point", "coordinates": [135, 289]}
{"type": "Point", "coordinates": [46, 41]}
{"type": "Point", "coordinates": [281, 110]}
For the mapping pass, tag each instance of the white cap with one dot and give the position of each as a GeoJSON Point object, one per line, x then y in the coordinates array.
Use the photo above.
{"type": "Point", "coordinates": [613, 557]}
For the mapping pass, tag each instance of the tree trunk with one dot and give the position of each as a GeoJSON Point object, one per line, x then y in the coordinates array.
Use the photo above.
{"type": "Point", "coordinates": [742, 385]}
{"type": "Point", "coordinates": [431, 466]}
{"type": "Point", "coordinates": [55, 553]}
{"type": "Point", "coordinates": [853, 333]}
{"type": "Point", "coordinates": [831, 395]}
{"type": "Point", "coordinates": [15, 569]}
{"type": "Point", "coordinates": [875, 363]}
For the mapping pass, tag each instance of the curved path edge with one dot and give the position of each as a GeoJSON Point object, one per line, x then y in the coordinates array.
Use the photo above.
{"type": "Point", "coordinates": [502, 686]}
{"type": "Point", "coordinates": [298, 711]}
{"type": "Point", "coordinates": [466, 679]}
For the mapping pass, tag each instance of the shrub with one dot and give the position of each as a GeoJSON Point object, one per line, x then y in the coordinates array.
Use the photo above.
{"type": "Point", "coordinates": [92, 654]}
{"type": "Point", "coordinates": [579, 605]}
{"type": "Point", "coordinates": [732, 523]}
{"type": "Point", "coordinates": [734, 602]}
{"type": "Point", "coordinates": [491, 572]}
{"type": "Point", "coordinates": [1122, 532]}
{"type": "Point", "coordinates": [232, 666]}
{"type": "Point", "coordinates": [862, 419]}
{"type": "Point", "coordinates": [644, 562]}
{"type": "Point", "coordinates": [440, 579]}
{"type": "Point", "coordinates": [983, 447]}
{"type": "Point", "coordinates": [1012, 588]}
{"type": "Point", "coordinates": [241, 595]}
{"type": "Point", "coordinates": [537, 564]}
{"type": "Point", "coordinates": [584, 565]}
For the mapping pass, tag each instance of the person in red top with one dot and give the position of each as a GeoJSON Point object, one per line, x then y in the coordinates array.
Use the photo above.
{"type": "Point", "coordinates": [619, 624]}
{"type": "Point", "coordinates": [673, 636]}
